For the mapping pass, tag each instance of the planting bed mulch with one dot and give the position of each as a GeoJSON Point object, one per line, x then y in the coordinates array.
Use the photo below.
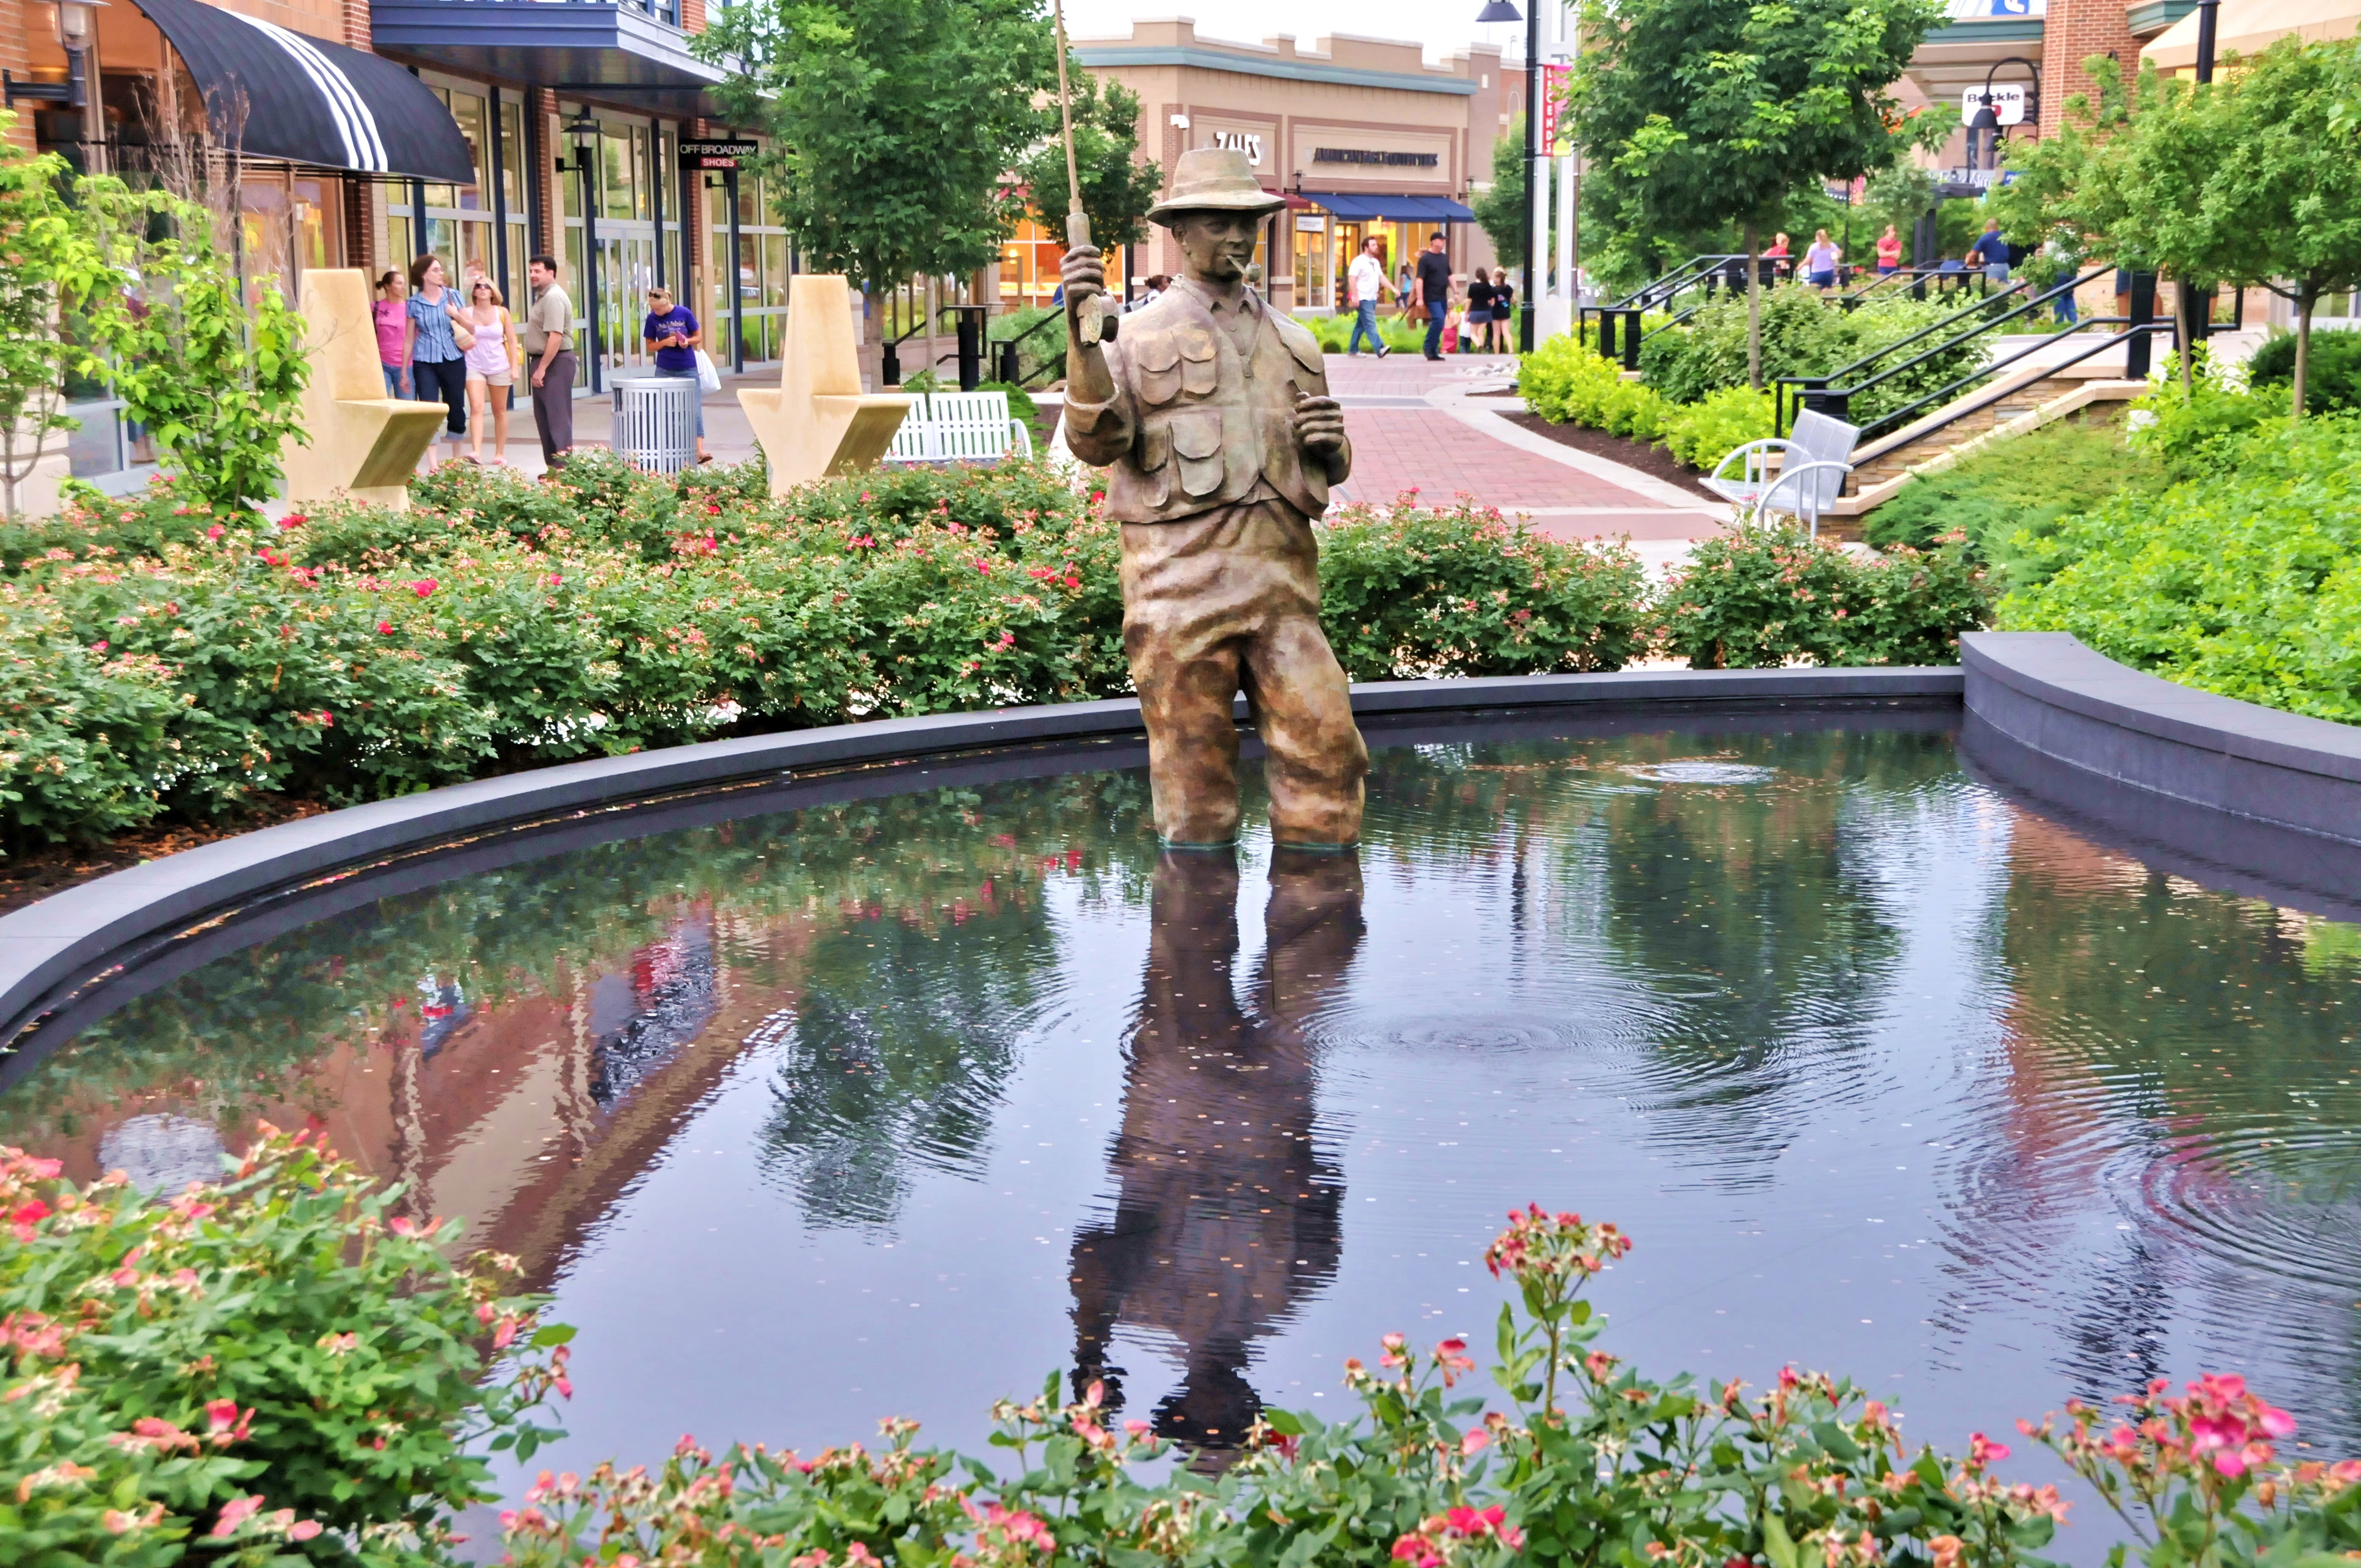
{"type": "Point", "coordinates": [30, 875]}
{"type": "Point", "coordinates": [1650, 460]}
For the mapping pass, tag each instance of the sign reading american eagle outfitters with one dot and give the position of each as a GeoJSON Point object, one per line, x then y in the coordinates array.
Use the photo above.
{"type": "Point", "coordinates": [717, 154]}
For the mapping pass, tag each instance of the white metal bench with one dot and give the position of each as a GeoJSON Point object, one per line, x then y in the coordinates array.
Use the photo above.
{"type": "Point", "coordinates": [1813, 463]}
{"type": "Point", "coordinates": [960, 427]}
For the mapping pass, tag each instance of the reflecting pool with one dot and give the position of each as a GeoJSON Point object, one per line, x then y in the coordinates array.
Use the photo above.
{"type": "Point", "coordinates": [895, 1106]}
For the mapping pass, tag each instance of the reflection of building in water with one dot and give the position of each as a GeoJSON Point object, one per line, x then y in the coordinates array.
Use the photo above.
{"type": "Point", "coordinates": [1225, 1214]}
{"type": "Point", "coordinates": [640, 1019]}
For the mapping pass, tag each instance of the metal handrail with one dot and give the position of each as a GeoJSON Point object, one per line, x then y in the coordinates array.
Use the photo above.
{"type": "Point", "coordinates": [2132, 330]}
{"type": "Point", "coordinates": [2034, 303]}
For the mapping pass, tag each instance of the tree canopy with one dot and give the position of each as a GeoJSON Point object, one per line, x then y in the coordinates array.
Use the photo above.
{"type": "Point", "coordinates": [1117, 189]}
{"type": "Point", "coordinates": [2253, 177]}
{"type": "Point", "coordinates": [1697, 114]}
{"type": "Point", "coordinates": [894, 123]}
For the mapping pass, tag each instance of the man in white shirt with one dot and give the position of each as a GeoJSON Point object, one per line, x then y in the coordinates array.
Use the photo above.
{"type": "Point", "coordinates": [1364, 283]}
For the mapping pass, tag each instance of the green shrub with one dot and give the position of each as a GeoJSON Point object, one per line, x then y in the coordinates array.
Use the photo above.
{"type": "Point", "coordinates": [1702, 433]}
{"type": "Point", "coordinates": [257, 1359]}
{"type": "Point", "coordinates": [1409, 592]}
{"type": "Point", "coordinates": [1763, 595]}
{"type": "Point", "coordinates": [2206, 432]}
{"type": "Point", "coordinates": [1804, 334]}
{"type": "Point", "coordinates": [2028, 483]}
{"type": "Point", "coordinates": [2245, 581]}
{"type": "Point", "coordinates": [1398, 333]}
{"type": "Point", "coordinates": [2332, 371]}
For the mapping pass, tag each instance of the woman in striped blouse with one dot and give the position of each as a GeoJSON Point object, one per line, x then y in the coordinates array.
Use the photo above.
{"type": "Point", "coordinates": [438, 358]}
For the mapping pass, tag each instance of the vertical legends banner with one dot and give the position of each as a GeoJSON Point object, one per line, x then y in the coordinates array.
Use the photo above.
{"type": "Point", "coordinates": [1553, 82]}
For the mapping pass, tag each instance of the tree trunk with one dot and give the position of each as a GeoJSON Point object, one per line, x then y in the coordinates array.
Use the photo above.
{"type": "Point", "coordinates": [1753, 311]}
{"type": "Point", "coordinates": [2186, 294]}
{"type": "Point", "coordinates": [2302, 348]}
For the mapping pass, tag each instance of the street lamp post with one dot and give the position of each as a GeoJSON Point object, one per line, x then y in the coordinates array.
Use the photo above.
{"type": "Point", "coordinates": [1535, 171]}
{"type": "Point", "coordinates": [2206, 19]}
{"type": "Point", "coordinates": [77, 20]}
{"type": "Point", "coordinates": [582, 131]}
{"type": "Point", "coordinates": [1984, 123]}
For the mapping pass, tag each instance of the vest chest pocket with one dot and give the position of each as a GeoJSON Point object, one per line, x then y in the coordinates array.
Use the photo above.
{"type": "Point", "coordinates": [1159, 371]}
{"type": "Point", "coordinates": [1306, 353]}
{"type": "Point", "coordinates": [1200, 369]}
{"type": "Point", "coordinates": [1197, 439]}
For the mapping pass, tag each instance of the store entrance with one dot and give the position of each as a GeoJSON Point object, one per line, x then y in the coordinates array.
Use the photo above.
{"type": "Point", "coordinates": [1350, 234]}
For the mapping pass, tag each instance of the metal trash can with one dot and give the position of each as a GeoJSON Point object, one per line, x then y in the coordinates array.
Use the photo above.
{"type": "Point", "coordinates": [655, 422]}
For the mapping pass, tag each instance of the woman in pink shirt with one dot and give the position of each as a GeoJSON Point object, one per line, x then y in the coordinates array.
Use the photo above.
{"type": "Point", "coordinates": [390, 318]}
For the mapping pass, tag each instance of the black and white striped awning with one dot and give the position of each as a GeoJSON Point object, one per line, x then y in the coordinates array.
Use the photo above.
{"type": "Point", "coordinates": [280, 95]}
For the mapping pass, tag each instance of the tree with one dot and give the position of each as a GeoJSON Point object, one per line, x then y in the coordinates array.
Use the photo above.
{"type": "Point", "coordinates": [41, 247]}
{"type": "Point", "coordinates": [213, 367]}
{"type": "Point", "coordinates": [894, 123]}
{"type": "Point", "coordinates": [1504, 210]}
{"type": "Point", "coordinates": [2253, 177]}
{"type": "Point", "coordinates": [1117, 189]}
{"type": "Point", "coordinates": [1701, 113]}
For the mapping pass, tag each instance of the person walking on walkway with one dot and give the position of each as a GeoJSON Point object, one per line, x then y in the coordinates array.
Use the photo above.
{"type": "Point", "coordinates": [389, 313]}
{"type": "Point", "coordinates": [1504, 312]}
{"type": "Point", "coordinates": [672, 336]}
{"type": "Point", "coordinates": [1434, 291]}
{"type": "Point", "coordinates": [549, 343]}
{"type": "Point", "coordinates": [438, 359]}
{"type": "Point", "coordinates": [1366, 287]}
{"type": "Point", "coordinates": [1476, 327]}
{"type": "Point", "coordinates": [492, 368]}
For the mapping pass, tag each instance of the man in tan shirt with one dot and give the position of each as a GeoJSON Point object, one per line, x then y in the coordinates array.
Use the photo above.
{"type": "Point", "coordinates": [548, 331]}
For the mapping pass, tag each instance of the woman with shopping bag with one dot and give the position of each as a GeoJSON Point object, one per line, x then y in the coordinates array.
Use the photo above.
{"type": "Point", "coordinates": [673, 336]}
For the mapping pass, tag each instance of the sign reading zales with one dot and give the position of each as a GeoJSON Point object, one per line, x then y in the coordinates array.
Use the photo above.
{"type": "Point", "coordinates": [1246, 142]}
{"type": "Point", "coordinates": [1365, 155]}
{"type": "Point", "coordinates": [717, 154]}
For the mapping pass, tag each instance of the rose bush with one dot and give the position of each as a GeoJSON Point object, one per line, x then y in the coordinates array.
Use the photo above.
{"type": "Point", "coordinates": [1762, 596]}
{"type": "Point", "coordinates": [1591, 1462]}
{"type": "Point", "coordinates": [277, 1359]}
{"type": "Point", "coordinates": [161, 656]}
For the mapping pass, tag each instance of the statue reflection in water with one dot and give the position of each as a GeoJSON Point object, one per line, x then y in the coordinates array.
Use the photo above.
{"type": "Point", "coordinates": [1227, 1216]}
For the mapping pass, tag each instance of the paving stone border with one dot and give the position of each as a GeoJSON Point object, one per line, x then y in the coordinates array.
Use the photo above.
{"type": "Point", "coordinates": [83, 951]}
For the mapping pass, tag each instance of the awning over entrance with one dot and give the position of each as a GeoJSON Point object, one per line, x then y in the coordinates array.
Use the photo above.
{"type": "Point", "coordinates": [2250, 26]}
{"type": "Point", "coordinates": [626, 53]}
{"type": "Point", "coordinates": [283, 95]}
{"type": "Point", "coordinates": [1400, 209]}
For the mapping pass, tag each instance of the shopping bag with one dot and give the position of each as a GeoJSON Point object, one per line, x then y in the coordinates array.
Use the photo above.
{"type": "Point", "coordinates": [707, 379]}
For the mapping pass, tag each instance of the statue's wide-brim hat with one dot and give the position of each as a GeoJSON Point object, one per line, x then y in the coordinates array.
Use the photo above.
{"type": "Point", "coordinates": [1213, 180]}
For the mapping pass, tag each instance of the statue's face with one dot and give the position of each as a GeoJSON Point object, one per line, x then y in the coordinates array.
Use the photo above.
{"type": "Point", "coordinates": [1218, 245]}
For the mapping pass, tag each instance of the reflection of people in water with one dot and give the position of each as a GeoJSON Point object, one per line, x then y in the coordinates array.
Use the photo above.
{"type": "Point", "coordinates": [1224, 1212]}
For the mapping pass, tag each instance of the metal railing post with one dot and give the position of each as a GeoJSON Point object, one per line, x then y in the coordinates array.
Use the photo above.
{"type": "Point", "coordinates": [2143, 312]}
{"type": "Point", "coordinates": [1631, 320]}
{"type": "Point", "coordinates": [1607, 334]}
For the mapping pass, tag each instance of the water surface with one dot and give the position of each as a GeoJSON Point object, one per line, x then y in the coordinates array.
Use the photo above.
{"type": "Point", "coordinates": [895, 1107]}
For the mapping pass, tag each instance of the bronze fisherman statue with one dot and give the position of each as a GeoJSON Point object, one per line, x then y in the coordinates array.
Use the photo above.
{"type": "Point", "coordinates": [1212, 410]}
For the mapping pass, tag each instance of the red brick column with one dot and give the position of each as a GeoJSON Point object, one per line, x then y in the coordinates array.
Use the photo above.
{"type": "Point", "coordinates": [2074, 31]}
{"type": "Point", "coordinates": [16, 58]}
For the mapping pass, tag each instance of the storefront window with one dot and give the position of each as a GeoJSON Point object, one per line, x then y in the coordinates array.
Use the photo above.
{"type": "Point", "coordinates": [624, 170]}
{"type": "Point", "coordinates": [1029, 261]}
{"type": "Point", "coordinates": [764, 263]}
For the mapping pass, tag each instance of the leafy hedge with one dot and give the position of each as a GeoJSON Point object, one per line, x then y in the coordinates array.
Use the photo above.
{"type": "Point", "coordinates": [156, 658]}
{"type": "Point", "coordinates": [1568, 382]}
{"type": "Point", "coordinates": [1804, 334]}
{"type": "Point", "coordinates": [2030, 483]}
{"type": "Point", "coordinates": [2245, 580]}
{"type": "Point", "coordinates": [2331, 373]}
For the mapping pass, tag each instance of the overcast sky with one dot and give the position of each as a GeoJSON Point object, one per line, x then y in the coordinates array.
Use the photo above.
{"type": "Point", "coordinates": [1440, 28]}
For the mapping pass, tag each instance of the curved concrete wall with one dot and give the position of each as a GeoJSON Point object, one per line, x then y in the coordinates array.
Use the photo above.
{"type": "Point", "coordinates": [2049, 692]}
{"type": "Point", "coordinates": [187, 908]}
{"type": "Point", "coordinates": [2237, 786]}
